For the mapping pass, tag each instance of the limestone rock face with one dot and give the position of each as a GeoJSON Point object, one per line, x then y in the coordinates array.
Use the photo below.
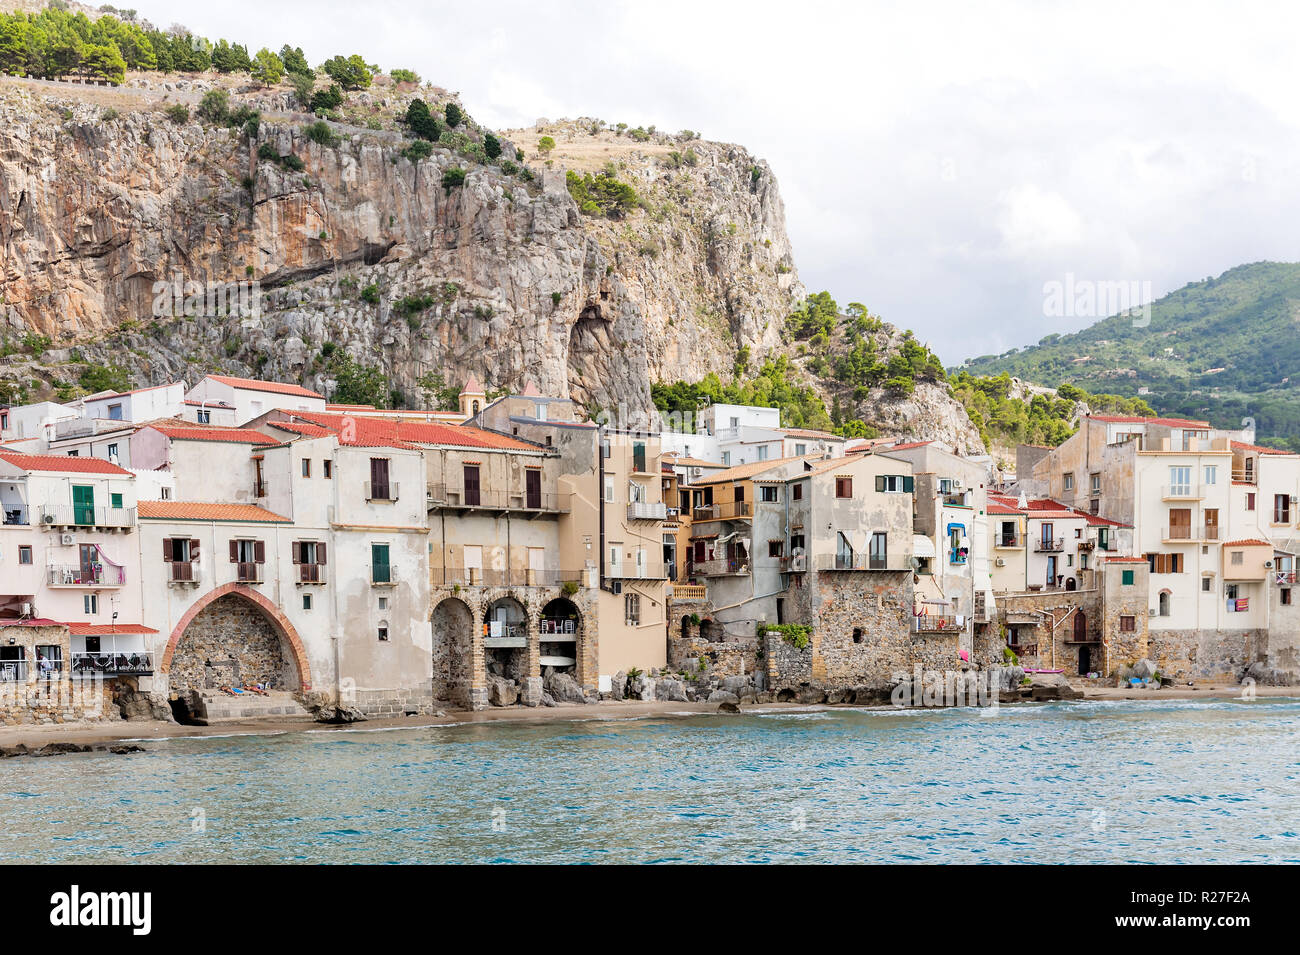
{"type": "Point", "coordinates": [519, 284]}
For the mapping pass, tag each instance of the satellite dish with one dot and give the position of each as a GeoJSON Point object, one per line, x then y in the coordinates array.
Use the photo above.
{"type": "Point", "coordinates": [916, 563]}
{"type": "Point", "coordinates": [797, 552]}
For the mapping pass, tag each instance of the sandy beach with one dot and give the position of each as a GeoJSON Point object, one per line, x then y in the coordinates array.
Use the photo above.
{"type": "Point", "coordinates": [35, 736]}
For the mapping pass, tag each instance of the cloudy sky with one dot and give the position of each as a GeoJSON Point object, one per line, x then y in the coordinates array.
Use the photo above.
{"type": "Point", "coordinates": [939, 162]}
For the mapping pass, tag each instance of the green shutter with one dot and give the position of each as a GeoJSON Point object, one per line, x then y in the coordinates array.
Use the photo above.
{"type": "Point", "coordinates": [379, 563]}
{"type": "Point", "coordinates": [116, 501]}
{"type": "Point", "coordinates": [908, 484]}
{"type": "Point", "coordinates": [1128, 578]}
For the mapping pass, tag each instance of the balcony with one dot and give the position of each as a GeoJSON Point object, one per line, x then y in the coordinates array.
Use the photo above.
{"type": "Point", "coordinates": [721, 512]}
{"type": "Point", "coordinates": [1245, 477]}
{"type": "Point", "coordinates": [935, 623]}
{"type": "Point", "coordinates": [1190, 532]}
{"type": "Point", "coordinates": [1082, 639]}
{"type": "Point", "coordinates": [1007, 541]}
{"type": "Point", "coordinates": [645, 572]}
{"type": "Point", "coordinates": [139, 662]}
{"type": "Point", "coordinates": [248, 573]}
{"type": "Point", "coordinates": [1049, 545]}
{"type": "Point", "coordinates": [384, 493]}
{"type": "Point", "coordinates": [689, 592]}
{"type": "Point", "coordinates": [311, 574]}
{"type": "Point", "coordinates": [183, 572]}
{"type": "Point", "coordinates": [515, 577]}
{"type": "Point", "coordinates": [453, 498]}
{"type": "Point", "coordinates": [726, 567]}
{"type": "Point", "coordinates": [861, 562]}
{"type": "Point", "coordinates": [647, 511]}
{"type": "Point", "coordinates": [75, 515]}
{"type": "Point", "coordinates": [794, 565]}
{"type": "Point", "coordinates": [1181, 492]}
{"type": "Point", "coordinates": [16, 517]}
{"type": "Point", "coordinates": [1284, 578]}
{"type": "Point", "coordinates": [499, 635]}
{"type": "Point", "coordinates": [93, 575]}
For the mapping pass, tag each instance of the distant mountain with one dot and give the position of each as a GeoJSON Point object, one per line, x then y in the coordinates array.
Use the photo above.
{"type": "Point", "coordinates": [1224, 349]}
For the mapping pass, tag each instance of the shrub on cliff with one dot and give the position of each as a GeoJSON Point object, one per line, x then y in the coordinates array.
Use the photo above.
{"type": "Point", "coordinates": [453, 177]}
{"type": "Point", "coordinates": [319, 132]}
{"type": "Point", "coordinates": [421, 122]}
{"type": "Point", "coordinates": [601, 195]}
{"type": "Point", "coordinates": [404, 76]}
{"type": "Point", "coordinates": [351, 73]}
{"type": "Point", "coordinates": [268, 69]}
{"type": "Point", "coordinates": [455, 115]}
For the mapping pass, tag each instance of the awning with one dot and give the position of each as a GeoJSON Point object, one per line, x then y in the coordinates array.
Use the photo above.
{"type": "Point", "coordinates": [922, 546]}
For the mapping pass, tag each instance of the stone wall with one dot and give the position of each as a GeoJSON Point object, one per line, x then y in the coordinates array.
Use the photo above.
{"type": "Point", "coordinates": [49, 696]}
{"type": "Point", "coordinates": [1054, 632]}
{"type": "Point", "coordinates": [231, 642]}
{"type": "Point", "coordinates": [1206, 654]}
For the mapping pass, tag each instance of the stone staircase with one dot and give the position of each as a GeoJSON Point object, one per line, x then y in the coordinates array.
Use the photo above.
{"type": "Point", "coordinates": [210, 706]}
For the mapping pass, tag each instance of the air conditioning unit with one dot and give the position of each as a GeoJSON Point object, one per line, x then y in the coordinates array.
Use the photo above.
{"type": "Point", "coordinates": [47, 518]}
{"type": "Point", "coordinates": [1000, 562]}
{"type": "Point", "coordinates": [696, 472]}
{"type": "Point", "coordinates": [1268, 565]}
{"type": "Point", "coordinates": [27, 609]}
{"type": "Point", "coordinates": [1152, 612]}
{"type": "Point", "coordinates": [67, 540]}
{"type": "Point", "coordinates": [957, 485]}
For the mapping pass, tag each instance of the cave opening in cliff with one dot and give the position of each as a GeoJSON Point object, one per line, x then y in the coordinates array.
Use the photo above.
{"type": "Point", "coordinates": [589, 349]}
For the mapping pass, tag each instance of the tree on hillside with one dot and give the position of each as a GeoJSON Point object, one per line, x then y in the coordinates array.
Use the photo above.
{"type": "Point", "coordinates": [268, 69]}
{"type": "Point", "coordinates": [351, 73]}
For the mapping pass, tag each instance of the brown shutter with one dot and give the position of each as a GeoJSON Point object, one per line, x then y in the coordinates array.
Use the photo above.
{"type": "Point", "coordinates": [234, 551]}
{"type": "Point", "coordinates": [296, 550]}
{"type": "Point", "coordinates": [194, 550]}
{"type": "Point", "coordinates": [167, 550]}
{"type": "Point", "coordinates": [320, 553]}
{"type": "Point", "coordinates": [259, 552]}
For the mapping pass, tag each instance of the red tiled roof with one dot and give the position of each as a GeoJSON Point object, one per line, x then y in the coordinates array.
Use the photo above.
{"type": "Point", "coordinates": [134, 391]}
{"type": "Point", "coordinates": [809, 433]}
{"type": "Point", "coordinates": [908, 446]}
{"type": "Point", "coordinates": [253, 384]}
{"type": "Point", "coordinates": [1248, 542]}
{"type": "Point", "coordinates": [1243, 446]}
{"type": "Point", "coordinates": [58, 462]}
{"type": "Point", "coordinates": [1126, 560]}
{"type": "Point", "coordinates": [370, 432]}
{"type": "Point", "coordinates": [228, 435]}
{"type": "Point", "coordinates": [106, 629]}
{"type": "Point", "coordinates": [208, 511]}
{"type": "Point", "coordinates": [1166, 422]}
{"type": "Point", "coordinates": [999, 508]}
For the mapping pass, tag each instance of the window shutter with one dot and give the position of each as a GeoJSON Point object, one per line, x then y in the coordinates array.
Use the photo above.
{"type": "Point", "coordinates": [320, 553]}
{"type": "Point", "coordinates": [259, 552]}
{"type": "Point", "coordinates": [880, 482]}
{"type": "Point", "coordinates": [167, 550]}
{"type": "Point", "coordinates": [194, 550]}
{"type": "Point", "coordinates": [234, 552]}
{"type": "Point", "coordinates": [908, 484]}
{"type": "Point", "coordinates": [296, 549]}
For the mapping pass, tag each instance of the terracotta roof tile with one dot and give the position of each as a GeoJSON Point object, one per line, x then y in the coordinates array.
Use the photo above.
{"type": "Point", "coordinates": [370, 432]}
{"type": "Point", "coordinates": [207, 511]}
{"type": "Point", "coordinates": [277, 387]}
{"type": "Point", "coordinates": [228, 435]}
{"type": "Point", "coordinates": [1248, 542]}
{"type": "Point", "coordinates": [58, 462]}
{"type": "Point", "coordinates": [106, 629]}
{"type": "Point", "coordinates": [1166, 422]}
{"type": "Point", "coordinates": [1258, 449]}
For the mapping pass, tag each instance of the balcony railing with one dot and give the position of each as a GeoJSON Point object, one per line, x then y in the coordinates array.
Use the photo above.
{"type": "Point", "coordinates": [515, 577]}
{"type": "Point", "coordinates": [439, 496]}
{"type": "Point", "coordinates": [1083, 638]}
{"type": "Point", "coordinates": [16, 517]}
{"type": "Point", "coordinates": [647, 511]}
{"type": "Point", "coordinates": [13, 671]}
{"type": "Point", "coordinates": [1007, 541]}
{"type": "Point", "coordinates": [727, 511]}
{"type": "Point", "coordinates": [860, 562]}
{"type": "Point", "coordinates": [130, 661]}
{"type": "Point", "coordinates": [382, 492]}
{"type": "Point", "coordinates": [722, 567]}
{"type": "Point", "coordinates": [94, 575]}
{"type": "Point", "coordinates": [183, 572]}
{"type": "Point", "coordinates": [1049, 546]}
{"type": "Point", "coordinates": [1181, 492]}
{"type": "Point", "coordinates": [1190, 532]}
{"type": "Point", "coordinates": [935, 623]}
{"type": "Point", "coordinates": [248, 573]}
{"type": "Point", "coordinates": [88, 516]}
{"type": "Point", "coordinates": [689, 592]}
{"type": "Point", "coordinates": [311, 574]}
{"type": "Point", "coordinates": [633, 572]}
{"type": "Point", "coordinates": [1284, 577]}
{"type": "Point", "coordinates": [1246, 477]}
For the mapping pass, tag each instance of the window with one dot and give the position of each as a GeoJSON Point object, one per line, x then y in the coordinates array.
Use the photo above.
{"type": "Point", "coordinates": [473, 485]}
{"type": "Point", "coordinates": [1191, 437]}
{"type": "Point", "coordinates": [796, 492]}
{"type": "Point", "coordinates": [1069, 482]}
{"type": "Point", "coordinates": [91, 603]}
{"type": "Point", "coordinates": [638, 456]}
{"type": "Point", "coordinates": [844, 487]}
{"type": "Point", "coordinates": [309, 556]}
{"type": "Point", "coordinates": [115, 501]}
{"type": "Point", "coordinates": [1165, 563]}
{"type": "Point", "coordinates": [112, 451]}
{"type": "Point", "coordinates": [1095, 482]}
{"type": "Point", "coordinates": [894, 483]}
{"type": "Point", "coordinates": [843, 550]}
{"type": "Point", "coordinates": [383, 631]}
{"type": "Point", "coordinates": [1127, 578]}
{"type": "Point", "coordinates": [327, 468]}
{"type": "Point", "coordinates": [636, 493]}
{"type": "Point", "coordinates": [181, 554]}
{"type": "Point", "coordinates": [306, 601]}
{"type": "Point", "coordinates": [761, 451]}
{"type": "Point", "coordinates": [774, 548]}
{"type": "Point", "coordinates": [1094, 506]}
{"type": "Point", "coordinates": [796, 542]}
{"type": "Point", "coordinates": [609, 489]}
{"type": "Point", "coordinates": [1206, 584]}
{"type": "Point", "coordinates": [1250, 500]}
{"type": "Point", "coordinates": [1180, 481]}
{"type": "Point", "coordinates": [74, 454]}
{"type": "Point", "coordinates": [879, 550]}
{"type": "Point", "coordinates": [306, 467]}
{"type": "Point", "coordinates": [800, 449]}
{"type": "Point", "coordinates": [1237, 558]}
{"type": "Point", "coordinates": [1232, 591]}
{"type": "Point", "coordinates": [115, 412]}
{"type": "Point", "coordinates": [380, 572]}
{"type": "Point", "coordinates": [383, 603]}
{"type": "Point", "coordinates": [1281, 509]}
{"type": "Point", "coordinates": [24, 553]}
{"type": "Point", "coordinates": [1128, 624]}
{"type": "Point", "coordinates": [248, 557]}
{"type": "Point", "coordinates": [379, 489]}
{"type": "Point", "coordinates": [1211, 474]}
{"type": "Point", "coordinates": [726, 458]}
{"type": "Point", "coordinates": [1286, 596]}
{"type": "Point", "coordinates": [632, 609]}
{"type": "Point", "coordinates": [203, 416]}
{"type": "Point", "coordinates": [767, 494]}
{"type": "Point", "coordinates": [1163, 603]}
{"type": "Point", "coordinates": [164, 494]}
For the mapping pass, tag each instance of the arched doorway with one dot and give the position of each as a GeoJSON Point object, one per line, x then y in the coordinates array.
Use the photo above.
{"type": "Point", "coordinates": [1164, 603]}
{"type": "Point", "coordinates": [505, 639]}
{"type": "Point", "coordinates": [234, 637]}
{"type": "Point", "coordinates": [561, 637]}
{"type": "Point", "coordinates": [452, 624]}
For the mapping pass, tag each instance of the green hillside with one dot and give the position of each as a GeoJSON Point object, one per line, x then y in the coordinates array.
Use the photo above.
{"type": "Point", "coordinates": [1224, 349]}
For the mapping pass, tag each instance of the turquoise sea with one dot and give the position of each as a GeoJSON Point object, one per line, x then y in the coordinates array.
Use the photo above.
{"type": "Point", "coordinates": [1167, 782]}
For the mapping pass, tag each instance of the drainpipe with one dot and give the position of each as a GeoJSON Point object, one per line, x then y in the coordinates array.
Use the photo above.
{"type": "Point", "coordinates": [600, 497]}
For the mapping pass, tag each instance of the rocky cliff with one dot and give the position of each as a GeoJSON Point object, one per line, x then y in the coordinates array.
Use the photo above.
{"type": "Point", "coordinates": [99, 203]}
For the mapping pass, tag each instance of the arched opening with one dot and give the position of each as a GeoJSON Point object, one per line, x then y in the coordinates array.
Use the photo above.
{"type": "Point", "coordinates": [505, 639]}
{"type": "Point", "coordinates": [1164, 603]}
{"type": "Point", "coordinates": [1070, 583]}
{"type": "Point", "coordinates": [453, 651]}
{"type": "Point", "coordinates": [686, 627]}
{"type": "Point", "coordinates": [1080, 626]}
{"type": "Point", "coordinates": [561, 637]}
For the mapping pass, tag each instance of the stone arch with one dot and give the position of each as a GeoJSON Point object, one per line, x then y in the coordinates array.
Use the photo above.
{"type": "Point", "coordinates": [561, 635]}
{"type": "Point", "coordinates": [279, 624]}
{"type": "Point", "coordinates": [452, 622]}
{"type": "Point", "coordinates": [506, 647]}
{"type": "Point", "coordinates": [1164, 603]}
